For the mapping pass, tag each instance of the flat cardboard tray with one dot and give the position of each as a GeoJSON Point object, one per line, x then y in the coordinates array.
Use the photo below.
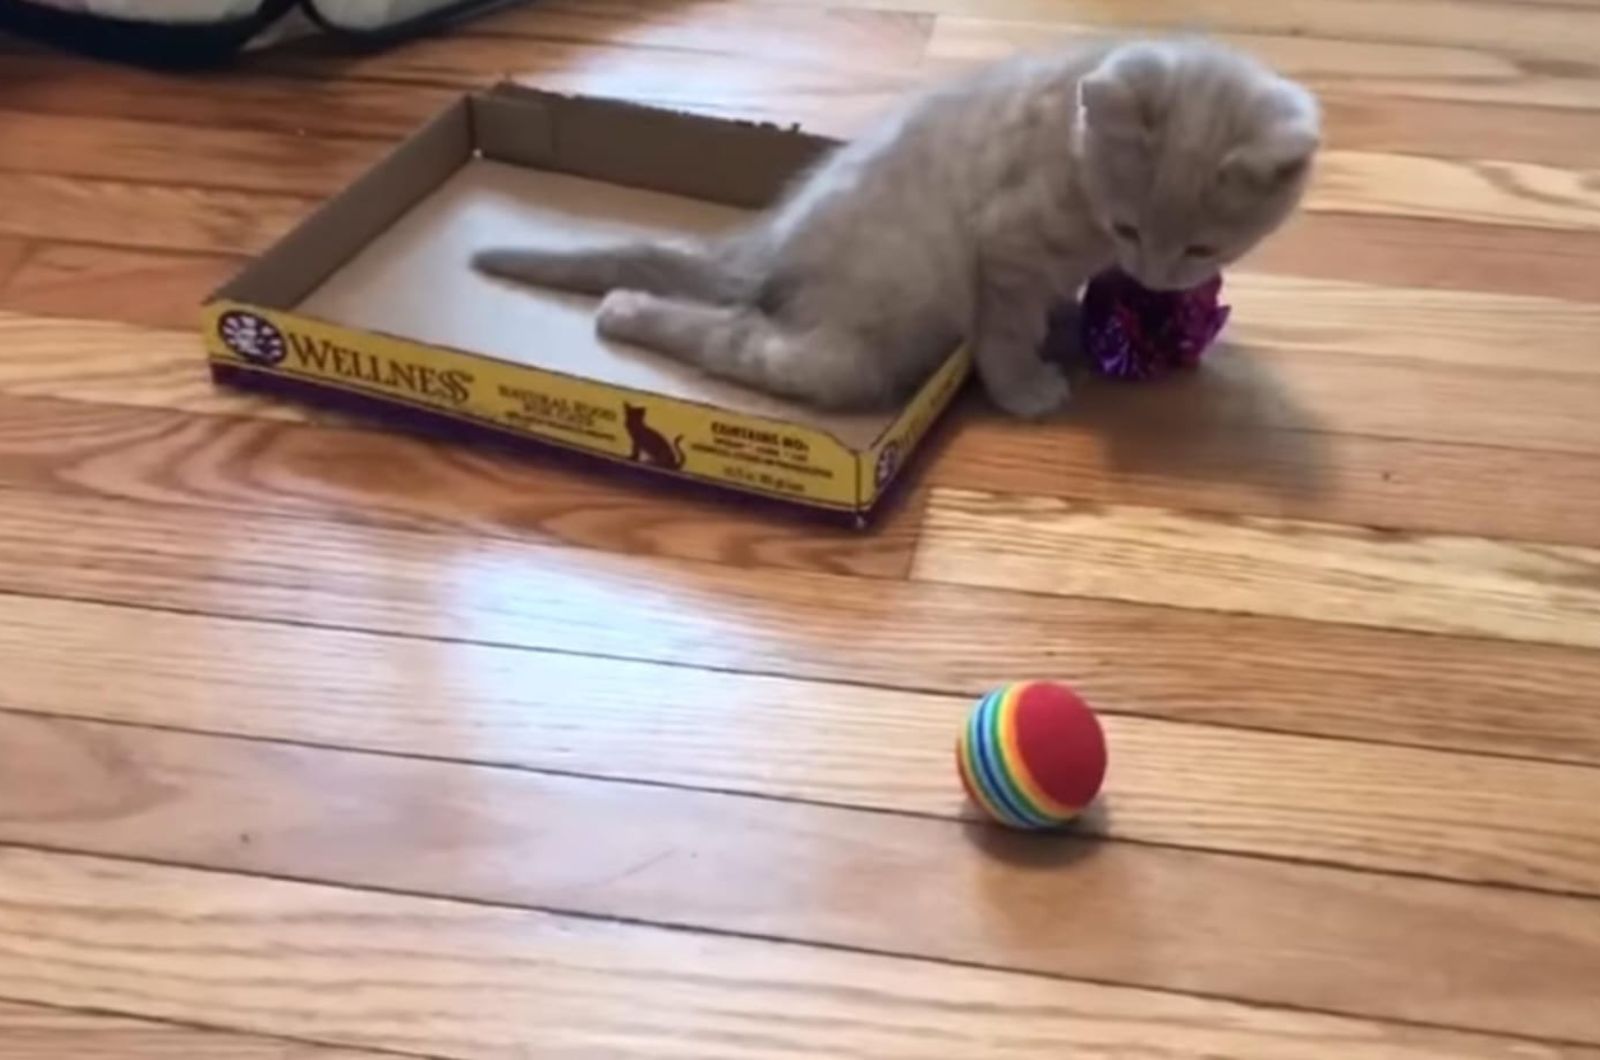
{"type": "Point", "coordinates": [371, 302]}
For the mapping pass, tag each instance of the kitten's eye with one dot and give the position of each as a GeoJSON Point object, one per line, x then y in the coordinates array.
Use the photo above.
{"type": "Point", "coordinates": [1124, 230]}
{"type": "Point", "coordinates": [1199, 250]}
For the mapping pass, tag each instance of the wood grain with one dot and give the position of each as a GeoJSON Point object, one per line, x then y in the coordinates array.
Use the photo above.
{"type": "Point", "coordinates": [1261, 673]}
{"type": "Point", "coordinates": [36, 1032]}
{"type": "Point", "coordinates": [158, 289]}
{"type": "Point", "coordinates": [163, 217]}
{"type": "Point", "coordinates": [1387, 483]}
{"type": "Point", "coordinates": [1449, 129]}
{"type": "Point", "coordinates": [119, 364]}
{"type": "Point", "coordinates": [325, 106]}
{"type": "Point", "coordinates": [810, 874]}
{"type": "Point", "coordinates": [834, 97]}
{"type": "Point", "coordinates": [1487, 191]}
{"type": "Point", "coordinates": [1538, 30]}
{"type": "Point", "coordinates": [1477, 328]}
{"type": "Point", "coordinates": [235, 156]}
{"type": "Point", "coordinates": [846, 37]}
{"type": "Point", "coordinates": [280, 957]}
{"type": "Point", "coordinates": [1294, 569]}
{"type": "Point", "coordinates": [1328, 65]}
{"type": "Point", "coordinates": [12, 254]}
{"type": "Point", "coordinates": [1412, 252]}
{"type": "Point", "coordinates": [1196, 787]}
{"type": "Point", "coordinates": [393, 479]}
{"type": "Point", "coordinates": [1317, 386]}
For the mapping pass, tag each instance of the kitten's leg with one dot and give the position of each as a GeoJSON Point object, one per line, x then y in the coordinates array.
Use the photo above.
{"type": "Point", "coordinates": [1013, 318]}
{"type": "Point", "coordinates": [746, 346]}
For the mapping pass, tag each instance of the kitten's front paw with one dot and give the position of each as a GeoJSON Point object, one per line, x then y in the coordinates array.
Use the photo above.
{"type": "Point", "coordinates": [621, 313]}
{"type": "Point", "coordinates": [1037, 395]}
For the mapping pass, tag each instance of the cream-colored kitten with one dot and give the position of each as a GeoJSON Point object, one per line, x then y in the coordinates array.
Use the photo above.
{"type": "Point", "coordinates": [970, 214]}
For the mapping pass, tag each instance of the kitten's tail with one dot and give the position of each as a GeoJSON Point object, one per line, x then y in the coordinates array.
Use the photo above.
{"type": "Point", "coordinates": [704, 274]}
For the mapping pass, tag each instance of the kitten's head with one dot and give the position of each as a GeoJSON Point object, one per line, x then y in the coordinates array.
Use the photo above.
{"type": "Point", "coordinates": [1192, 153]}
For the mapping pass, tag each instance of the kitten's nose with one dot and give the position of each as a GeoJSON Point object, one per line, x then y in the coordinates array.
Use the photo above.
{"type": "Point", "coordinates": [1161, 272]}
{"type": "Point", "coordinates": [1150, 268]}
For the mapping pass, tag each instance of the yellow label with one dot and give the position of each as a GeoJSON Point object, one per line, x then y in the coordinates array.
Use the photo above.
{"type": "Point", "coordinates": [882, 463]}
{"type": "Point", "coordinates": [678, 437]}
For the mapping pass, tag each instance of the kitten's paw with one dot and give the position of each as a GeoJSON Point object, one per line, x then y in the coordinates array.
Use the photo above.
{"type": "Point", "coordinates": [1035, 396]}
{"type": "Point", "coordinates": [622, 314]}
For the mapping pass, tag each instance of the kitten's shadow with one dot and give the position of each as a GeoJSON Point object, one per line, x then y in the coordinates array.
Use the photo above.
{"type": "Point", "coordinates": [1231, 421]}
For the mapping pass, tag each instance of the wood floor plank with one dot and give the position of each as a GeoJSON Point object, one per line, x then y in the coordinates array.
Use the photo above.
{"type": "Point", "coordinates": [38, 1032]}
{"type": "Point", "coordinates": [1486, 191]}
{"type": "Point", "coordinates": [1414, 253]}
{"type": "Point", "coordinates": [1543, 33]}
{"type": "Point", "coordinates": [845, 35]}
{"type": "Point", "coordinates": [12, 253]}
{"type": "Point", "coordinates": [279, 957]}
{"type": "Point", "coordinates": [1313, 571]}
{"type": "Point", "coordinates": [809, 874]}
{"type": "Point", "coordinates": [831, 98]}
{"type": "Point", "coordinates": [1319, 387]}
{"type": "Point", "coordinates": [393, 479]}
{"type": "Point", "coordinates": [120, 364]}
{"type": "Point", "coordinates": [164, 217]}
{"type": "Point", "coordinates": [325, 106]}
{"type": "Point", "coordinates": [236, 156]}
{"type": "Point", "coordinates": [1261, 673]}
{"type": "Point", "coordinates": [1394, 809]}
{"type": "Point", "coordinates": [1484, 329]}
{"type": "Point", "coordinates": [1339, 67]}
{"type": "Point", "coordinates": [1387, 483]}
{"type": "Point", "coordinates": [157, 289]}
{"type": "Point", "coordinates": [1449, 129]}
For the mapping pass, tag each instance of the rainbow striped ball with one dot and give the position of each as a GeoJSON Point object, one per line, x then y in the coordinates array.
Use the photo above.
{"type": "Point", "coordinates": [1032, 755]}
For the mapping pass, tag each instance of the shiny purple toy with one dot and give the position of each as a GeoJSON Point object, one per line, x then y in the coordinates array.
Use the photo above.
{"type": "Point", "coordinates": [1130, 332]}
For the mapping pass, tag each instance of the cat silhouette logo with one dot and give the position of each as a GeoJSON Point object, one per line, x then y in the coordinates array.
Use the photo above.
{"type": "Point", "coordinates": [650, 446]}
{"type": "Point", "coordinates": [256, 340]}
{"type": "Point", "coordinates": [888, 464]}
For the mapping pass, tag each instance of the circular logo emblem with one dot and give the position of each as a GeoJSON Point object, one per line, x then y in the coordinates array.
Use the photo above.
{"type": "Point", "coordinates": [888, 463]}
{"type": "Point", "coordinates": [252, 338]}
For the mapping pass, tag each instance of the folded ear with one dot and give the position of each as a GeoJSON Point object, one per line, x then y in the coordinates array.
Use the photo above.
{"type": "Point", "coordinates": [1124, 97]}
{"type": "Point", "coordinates": [1278, 156]}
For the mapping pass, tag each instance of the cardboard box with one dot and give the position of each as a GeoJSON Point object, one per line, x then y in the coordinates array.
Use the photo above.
{"type": "Point", "coordinates": [371, 302]}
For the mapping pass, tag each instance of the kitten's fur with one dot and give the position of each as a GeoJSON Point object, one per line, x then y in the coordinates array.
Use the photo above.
{"type": "Point", "coordinates": [969, 215]}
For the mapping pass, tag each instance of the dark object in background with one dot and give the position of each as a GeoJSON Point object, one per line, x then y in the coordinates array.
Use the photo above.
{"type": "Point", "coordinates": [196, 45]}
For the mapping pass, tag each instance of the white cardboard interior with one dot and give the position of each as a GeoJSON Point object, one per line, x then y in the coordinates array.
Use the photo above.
{"type": "Point", "coordinates": [414, 282]}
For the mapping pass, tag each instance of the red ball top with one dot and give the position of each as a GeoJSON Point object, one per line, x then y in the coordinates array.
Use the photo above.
{"type": "Point", "coordinates": [1061, 743]}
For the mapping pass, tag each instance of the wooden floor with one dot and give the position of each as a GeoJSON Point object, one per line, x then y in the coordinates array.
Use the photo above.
{"type": "Point", "coordinates": [318, 741]}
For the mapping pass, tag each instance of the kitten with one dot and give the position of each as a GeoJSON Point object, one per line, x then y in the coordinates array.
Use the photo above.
{"type": "Point", "coordinates": [969, 215]}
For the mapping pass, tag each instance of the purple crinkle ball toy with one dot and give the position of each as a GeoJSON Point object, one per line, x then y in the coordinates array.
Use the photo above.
{"type": "Point", "coordinates": [1130, 332]}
